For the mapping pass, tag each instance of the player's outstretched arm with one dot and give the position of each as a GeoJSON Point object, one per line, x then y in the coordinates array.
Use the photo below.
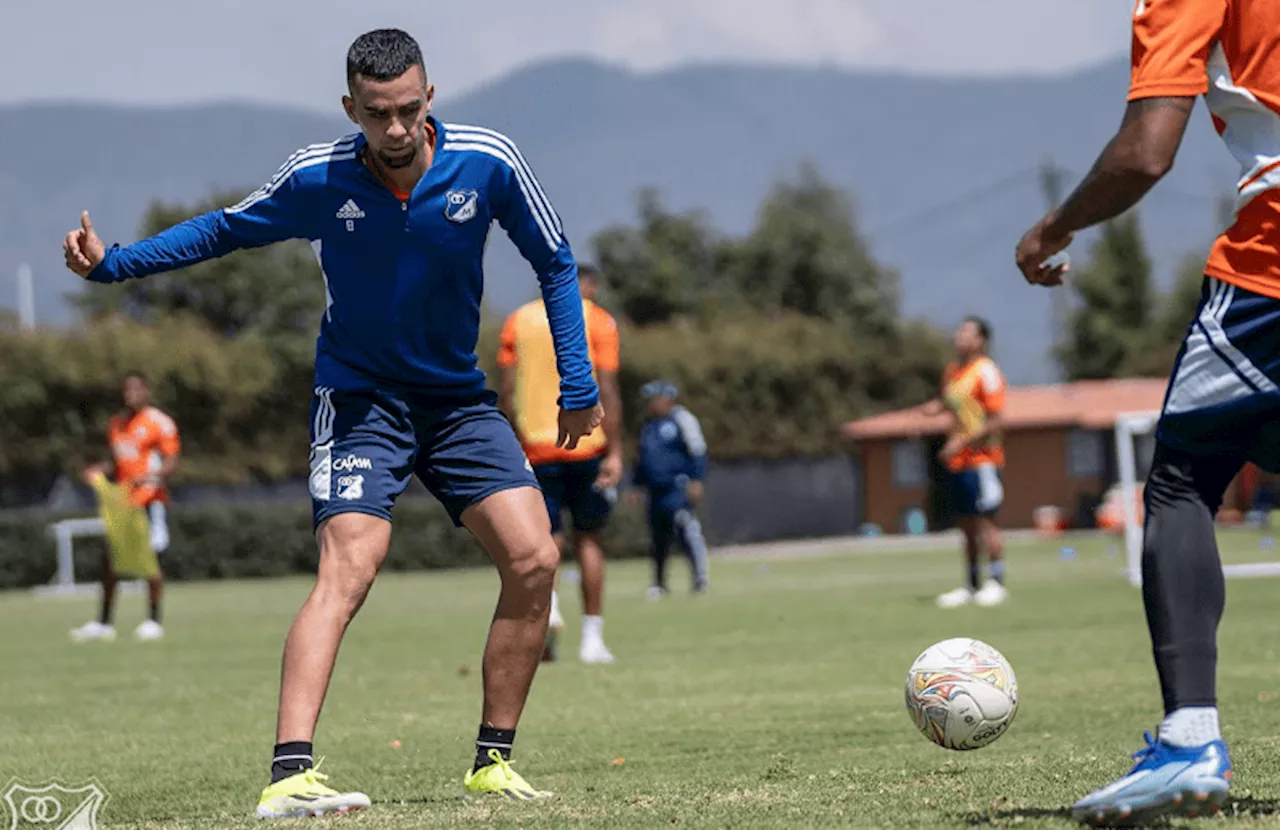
{"type": "Point", "coordinates": [525, 213]}
{"type": "Point", "coordinates": [273, 213]}
{"type": "Point", "coordinates": [187, 243]}
{"type": "Point", "coordinates": [1172, 40]}
{"type": "Point", "coordinates": [1139, 155]}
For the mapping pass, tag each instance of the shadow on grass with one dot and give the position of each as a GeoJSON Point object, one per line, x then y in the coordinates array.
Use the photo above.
{"type": "Point", "coordinates": [1001, 818]}
{"type": "Point", "coordinates": [1245, 806]}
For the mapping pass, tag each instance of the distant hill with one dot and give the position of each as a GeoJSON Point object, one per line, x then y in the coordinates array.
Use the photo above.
{"type": "Point", "coordinates": [943, 172]}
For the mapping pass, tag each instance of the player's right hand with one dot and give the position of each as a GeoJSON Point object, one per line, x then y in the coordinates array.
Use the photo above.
{"type": "Point", "coordinates": [576, 424]}
{"type": "Point", "coordinates": [1036, 250]}
{"type": "Point", "coordinates": [82, 248]}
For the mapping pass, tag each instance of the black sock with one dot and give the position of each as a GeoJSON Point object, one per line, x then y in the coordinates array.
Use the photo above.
{"type": "Point", "coordinates": [1182, 582]}
{"type": "Point", "coordinates": [108, 606]}
{"type": "Point", "coordinates": [490, 738]}
{"type": "Point", "coordinates": [155, 612]}
{"type": "Point", "coordinates": [975, 574]}
{"type": "Point", "coordinates": [290, 759]}
{"type": "Point", "coordinates": [996, 570]}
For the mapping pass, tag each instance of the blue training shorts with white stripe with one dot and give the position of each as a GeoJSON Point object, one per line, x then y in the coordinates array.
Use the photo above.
{"type": "Point", "coordinates": [977, 491]}
{"type": "Point", "coordinates": [1224, 393]}
{"type": "Point", "coordinates": [365, 444]}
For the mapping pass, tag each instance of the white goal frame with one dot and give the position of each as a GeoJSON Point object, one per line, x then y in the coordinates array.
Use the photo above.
{"type": "Point", "coordinates": [1129, 425]}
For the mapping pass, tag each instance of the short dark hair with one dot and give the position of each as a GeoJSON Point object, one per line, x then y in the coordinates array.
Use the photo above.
{"type": "Point", "coordinates": [983, 327]}
{"type": "Point", "coordinates": [383, 55]}
{"type": "Point", "coordinates": [589, 271]}
{"type": "Point", "coordinates": [133, 374]}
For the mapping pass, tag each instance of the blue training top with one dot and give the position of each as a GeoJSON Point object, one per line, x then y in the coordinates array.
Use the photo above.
{"type": "Point", "coordinates": [403, 279]}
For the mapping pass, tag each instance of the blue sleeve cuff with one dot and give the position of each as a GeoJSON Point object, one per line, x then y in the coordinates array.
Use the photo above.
{"type": "Point", "coordinates": [583, 399]}
{"type": "Point", "coordinates": [105, 271]}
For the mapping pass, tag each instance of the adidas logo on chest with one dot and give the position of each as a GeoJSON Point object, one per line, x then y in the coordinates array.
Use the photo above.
{"type": "Point", "coordinates": [350, 212]}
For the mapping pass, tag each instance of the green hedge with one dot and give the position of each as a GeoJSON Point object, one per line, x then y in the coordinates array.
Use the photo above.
{"type": "Point", "coordinates": [60, 389]}
{"type": "Point", "coordinates": [268, 540]}
{"type": "Point", "coordinates": [782, 387]}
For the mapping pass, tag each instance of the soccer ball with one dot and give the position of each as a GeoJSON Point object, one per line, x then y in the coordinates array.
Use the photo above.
{"type": "Point", "coordinates": [962, 694]}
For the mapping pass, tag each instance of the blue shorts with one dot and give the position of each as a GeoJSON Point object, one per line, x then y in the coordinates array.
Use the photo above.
{"type": "Point", "coordinates": [365, 445]}
{"type": "Point", "coordinates": [977, 491]}
{"type": "Point", "coordinates": [1224, 394]}
{"type": "Point", "coordinates": [571, 485]}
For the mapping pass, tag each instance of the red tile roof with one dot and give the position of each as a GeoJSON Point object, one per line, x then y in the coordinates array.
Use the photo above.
{"type": "Point", "coordinates": [1091, 404]}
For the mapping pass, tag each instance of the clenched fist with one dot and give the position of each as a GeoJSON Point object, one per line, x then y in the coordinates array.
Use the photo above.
{"type": "Point", "coordinates": [82, 247]}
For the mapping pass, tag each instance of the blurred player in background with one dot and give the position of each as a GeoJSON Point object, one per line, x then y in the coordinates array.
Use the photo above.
{"type": "Point", "coordinates": [144, 455]}
{"type": "Point", "coordinates": [973, 391]}
{"type": "Point", "coordinates": [671, 466]}
{"type": "Point", "coordinates": [399, 214]}
{"type": "Point", "coordinates": [1223, 404]}
{"type": "Point", "coordinates": [583, 480]}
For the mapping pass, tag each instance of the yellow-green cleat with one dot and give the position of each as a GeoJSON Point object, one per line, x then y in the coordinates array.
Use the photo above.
{"type": "Point", "coordinates": [304, 795]}
{"type": "Point", "coordinates": [499, 779]}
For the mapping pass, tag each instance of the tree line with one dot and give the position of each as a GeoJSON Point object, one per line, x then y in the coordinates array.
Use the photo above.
{"type": "Point", "coordinates": [776, 337]}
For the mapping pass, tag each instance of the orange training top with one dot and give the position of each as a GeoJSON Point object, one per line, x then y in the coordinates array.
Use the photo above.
{"type": "Point", "coordinates": [974, 392]}
{"type": "Point", "coordinates": [139, 444]}
{"type": "Point", "coordinates": [526, 346]}
{"type": "Point", "coordinates": [1228, 51]}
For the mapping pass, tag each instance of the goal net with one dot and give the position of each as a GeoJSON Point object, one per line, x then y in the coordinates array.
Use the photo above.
{"type": "Point", "coordinates": [1135, 444]}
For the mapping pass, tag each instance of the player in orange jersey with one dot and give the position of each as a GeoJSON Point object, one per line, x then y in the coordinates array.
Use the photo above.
{"type": "Point", "coordinates": [144, 454]}
{"type": "Point", "coordinates": [973, 391]}
{"type": "Point", "coordinates": [583, 480]}
{"type": "Point", "coordinates": [1222, 408]}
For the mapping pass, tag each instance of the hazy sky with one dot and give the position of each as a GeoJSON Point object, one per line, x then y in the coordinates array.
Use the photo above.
{"type": "Point", "coordinates": [291, 51]}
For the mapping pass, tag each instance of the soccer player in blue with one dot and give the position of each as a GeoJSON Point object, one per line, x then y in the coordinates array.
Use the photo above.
{"type": "Point", "coordinates": [671, 466]}
{"type": "Point", "coordinates": [398, 215]}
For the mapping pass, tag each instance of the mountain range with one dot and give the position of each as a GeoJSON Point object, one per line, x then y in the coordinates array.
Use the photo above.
{"type": "Point", "coordinates": [944, 173]}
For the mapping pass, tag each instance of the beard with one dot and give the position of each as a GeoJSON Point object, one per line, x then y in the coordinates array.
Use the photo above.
{"type": "Point", "coordinates": [401, 161]}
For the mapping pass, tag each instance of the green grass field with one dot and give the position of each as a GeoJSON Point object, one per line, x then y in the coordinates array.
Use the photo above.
{"type": "Point", "coordinates": [776, 701]}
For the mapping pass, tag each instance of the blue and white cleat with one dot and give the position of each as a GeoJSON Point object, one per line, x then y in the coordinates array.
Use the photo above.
{"type": "Point", "coordinates": [1167, 781]}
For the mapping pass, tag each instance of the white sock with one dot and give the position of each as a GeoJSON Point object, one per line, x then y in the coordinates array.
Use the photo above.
{"type": "Point", "coordinates": [555, 606]}
{"type": "Point", "coordinates": [593, 629]}
{"type": "Point", "coordinates": [1191, 726]}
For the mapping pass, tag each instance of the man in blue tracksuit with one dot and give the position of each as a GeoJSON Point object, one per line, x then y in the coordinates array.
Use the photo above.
{"type": "Point", "coordinates": [398, 215]}
{"type": "Point", "coordinates": [671, 467]}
